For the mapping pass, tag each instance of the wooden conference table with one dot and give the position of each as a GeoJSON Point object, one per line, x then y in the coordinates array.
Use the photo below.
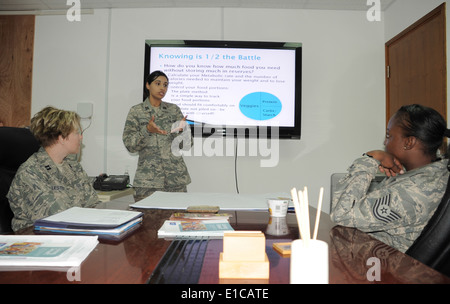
{"type": "Point", "coordinates": [134, 259]}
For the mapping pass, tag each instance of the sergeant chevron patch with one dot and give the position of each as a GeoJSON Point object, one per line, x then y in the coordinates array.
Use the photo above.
{"type": "Point", "coordinates": [382, 210]}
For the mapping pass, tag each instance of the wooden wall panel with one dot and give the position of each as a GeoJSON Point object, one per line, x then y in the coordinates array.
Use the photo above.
{"type": "Point", "coordinates": [417, 63]}
{"type": "Point", "coordinates": [16, 69]}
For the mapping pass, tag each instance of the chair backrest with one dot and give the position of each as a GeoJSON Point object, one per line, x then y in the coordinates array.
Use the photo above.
{"type": "Point", "coordinates": [432, 247]}
{"type": "Point", "coordinates": [17, 144]}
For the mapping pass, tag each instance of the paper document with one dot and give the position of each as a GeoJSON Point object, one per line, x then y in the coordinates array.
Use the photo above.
{"type": "Point", "coordinates": [77, 217]}
{"type": "Point", "coordinates": [44, 251]}
{"type": "Point", "coordinates": [226, 201]}
{"type": "Point", "coordinates": [119, 230]}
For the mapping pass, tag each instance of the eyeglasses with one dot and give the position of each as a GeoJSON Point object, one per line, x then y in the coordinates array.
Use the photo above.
{"type": "Point", "coordinates": [79, 131]}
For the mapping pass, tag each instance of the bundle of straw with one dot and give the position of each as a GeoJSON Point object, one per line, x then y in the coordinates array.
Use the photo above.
{"type": "Point", "coordinates": [301, 207]}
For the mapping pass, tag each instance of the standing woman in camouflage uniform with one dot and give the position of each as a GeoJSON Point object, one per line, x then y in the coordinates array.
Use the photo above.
{"type": "Point", "coordinates": [396, 210]}
{"type": "Point", "coordinates": [52, 179]}
{"type": "Point", "coordinates": [157, 130]}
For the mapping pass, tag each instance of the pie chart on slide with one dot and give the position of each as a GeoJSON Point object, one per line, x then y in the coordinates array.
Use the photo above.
{"type": "Point", "coordinates": [260, 106]}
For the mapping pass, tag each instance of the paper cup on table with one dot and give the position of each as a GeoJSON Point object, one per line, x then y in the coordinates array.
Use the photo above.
{"type": "Point", "coordinates": [309, 262]}
{"type": "Point", "coordinates": [278, 207]}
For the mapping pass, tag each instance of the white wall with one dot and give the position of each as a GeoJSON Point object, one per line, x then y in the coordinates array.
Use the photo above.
{"type": "Point", "coordinates": [100, 60]}
{"type": "Point", "coordinates": [403, 13]}
{"type": "Point", "coordinates": [70, 67]}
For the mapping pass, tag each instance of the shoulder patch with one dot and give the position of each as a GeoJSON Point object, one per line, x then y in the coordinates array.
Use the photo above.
{"type": "Point", "coordinates": [382, 210]}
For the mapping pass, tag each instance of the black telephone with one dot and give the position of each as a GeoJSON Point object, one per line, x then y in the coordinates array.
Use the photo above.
{"type": "Point", "coordinates": [106, 182]}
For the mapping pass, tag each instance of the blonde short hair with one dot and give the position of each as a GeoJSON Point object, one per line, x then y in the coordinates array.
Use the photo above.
{"type": "Point", "coordinates": [49, 123]}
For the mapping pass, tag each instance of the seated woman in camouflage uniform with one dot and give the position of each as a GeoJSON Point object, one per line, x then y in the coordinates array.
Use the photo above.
{"type": "Point", "coordinates": [396, 210]}
{"type": "Point", "coordinates": [52, 179]}
{"type": "Point", "coordinates": [157, 131]}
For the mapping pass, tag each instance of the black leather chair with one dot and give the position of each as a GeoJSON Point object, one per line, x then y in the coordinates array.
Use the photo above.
{"type": "Point", "coordinates": [16, 145]}
{"type": "Point", "coordinates": [432, 247]}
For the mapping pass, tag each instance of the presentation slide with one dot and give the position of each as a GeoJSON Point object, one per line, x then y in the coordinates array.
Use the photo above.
{"type": "Point", "coordinates": [230, 86]}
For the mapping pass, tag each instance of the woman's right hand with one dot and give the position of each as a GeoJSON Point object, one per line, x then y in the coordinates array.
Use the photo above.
{"type": "Point", "coordinates": [153, 128]}
{"type": "Point", "coordinates": [389, 164]}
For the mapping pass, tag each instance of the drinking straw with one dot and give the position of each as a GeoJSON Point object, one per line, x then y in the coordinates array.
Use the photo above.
{"type": "Point", "coordinates": [305, 215]}
{"type": "Point", "coordinates": [301, 205]}
{"type": "Point", "coordinates": [319, 208]}
{"type": "Point", "coordinates": [297, 211]}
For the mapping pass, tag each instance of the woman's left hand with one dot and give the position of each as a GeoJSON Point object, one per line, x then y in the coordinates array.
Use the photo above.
{"type": "Point", "coordinates": [389, 164]}
{"type": "Point", "coordinates": [180, 127]}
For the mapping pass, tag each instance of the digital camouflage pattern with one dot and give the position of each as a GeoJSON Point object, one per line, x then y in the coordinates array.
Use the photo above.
{"type": "Point", "coordinates": [158, 167]}
{"type": "Point", "coordinates": [397, 209]}
{"type": "Point", "coordinates": [40, 188]}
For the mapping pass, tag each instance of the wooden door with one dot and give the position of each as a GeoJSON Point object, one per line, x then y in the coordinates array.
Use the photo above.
{"type": "Point", "coordinates": [416, 65]}
{"type": "Point", "coordinates": [16, 68]}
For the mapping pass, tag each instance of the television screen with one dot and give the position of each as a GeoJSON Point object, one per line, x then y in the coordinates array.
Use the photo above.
{"type": "Point", "coordinates": [232, 87]}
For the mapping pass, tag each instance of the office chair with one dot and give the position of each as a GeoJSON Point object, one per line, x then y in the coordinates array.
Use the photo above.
{"type": "Point", "coordinates": [17, 144]}
{"type": "Point", "coordinates": [432, 247]}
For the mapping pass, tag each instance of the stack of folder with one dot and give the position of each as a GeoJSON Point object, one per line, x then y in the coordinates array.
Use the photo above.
{"type": "Point", "coordinates": [44, 252]}
{"type": "Point", "coordinates": [105, 223]}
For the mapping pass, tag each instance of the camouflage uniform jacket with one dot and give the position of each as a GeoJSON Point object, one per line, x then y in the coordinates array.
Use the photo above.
{"type": "Point", "coordinates": [40, 189]}
{"type": "Point", "coordinates": [397, 209]}
{"type": "Point", "coordinates": [158, 167]}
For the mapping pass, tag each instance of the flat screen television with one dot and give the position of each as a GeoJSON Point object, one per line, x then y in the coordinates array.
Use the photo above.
{"type": "Point", "coordinates": [232, 88]}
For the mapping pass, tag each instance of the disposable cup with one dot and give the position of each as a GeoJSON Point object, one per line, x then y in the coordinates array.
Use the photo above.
{"type": "Point", "coordinates": [309, 262]}
{"type": "Point", "coordinates": [278, 207]}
